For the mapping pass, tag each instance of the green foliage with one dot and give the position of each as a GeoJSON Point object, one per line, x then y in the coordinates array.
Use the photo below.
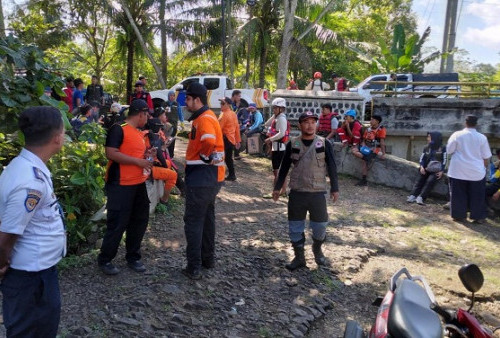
{"type": "Point", "coordinates": [24, 75]}
{"type": "Point", "coordinates": [78, 176]}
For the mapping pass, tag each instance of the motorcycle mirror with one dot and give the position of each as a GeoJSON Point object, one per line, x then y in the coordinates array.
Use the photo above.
{"type": "Point", "coordinates": [472, 277]}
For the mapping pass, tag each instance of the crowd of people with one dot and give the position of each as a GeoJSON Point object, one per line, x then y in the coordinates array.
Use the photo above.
{"type": "Point", "coordinates": [140, 146]}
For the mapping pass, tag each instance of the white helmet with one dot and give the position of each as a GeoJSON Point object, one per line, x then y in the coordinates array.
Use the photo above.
{"type": "Point", "coordinates": [115, 107]}
{"type": "Point", "coordinates": [279, 102]}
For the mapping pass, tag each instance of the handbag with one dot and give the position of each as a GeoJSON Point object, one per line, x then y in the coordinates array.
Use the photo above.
{"type": "Point", "coordinates": [433, 167]}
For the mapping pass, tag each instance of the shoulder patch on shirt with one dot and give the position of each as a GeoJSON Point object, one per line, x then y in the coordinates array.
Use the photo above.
{"type": "Point", "coordinates": [32, 198]}
{"type": "Point", "coordinates": [38, 174]}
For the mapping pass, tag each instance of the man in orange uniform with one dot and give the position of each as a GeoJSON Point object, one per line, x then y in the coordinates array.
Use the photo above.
{"type": "Point", "coordinates": [204, 177]}
{"type": "Point", "coordinates": [128, 203]}
{"type": "Point", "coordinates": [231, 132]}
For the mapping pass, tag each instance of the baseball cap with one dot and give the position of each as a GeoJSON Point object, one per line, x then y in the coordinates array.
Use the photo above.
{"type": "Point", "coordinates": [139, 83]}
{"type": "Point", "coordinates": [253, 105]}
{"type": "Point", "coordinates": [307, 115]}
{"type": "Point", "coordinates": [196, 90]}
{"type": "Point", "coordinates": [142, 77]}
{"type": "Point", "coordinates": [138, 105]}
{"type": "Point", "coordinates": [227, 100]}
{"type": "Point", "coordinates": [351, 112]}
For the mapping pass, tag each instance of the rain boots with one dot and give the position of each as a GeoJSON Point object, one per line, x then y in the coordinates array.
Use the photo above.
{"type": "Point", "coordinates": [318, 254]}
{"type": "Point", "coordinates": [300, 260]}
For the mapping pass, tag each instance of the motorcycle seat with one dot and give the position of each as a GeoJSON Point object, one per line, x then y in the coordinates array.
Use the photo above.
{"type": "Point", "coordinates": [410, 315]}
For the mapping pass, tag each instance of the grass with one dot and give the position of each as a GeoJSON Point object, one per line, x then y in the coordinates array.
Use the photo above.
{"type": "Point", "coordinates": [70, 262]}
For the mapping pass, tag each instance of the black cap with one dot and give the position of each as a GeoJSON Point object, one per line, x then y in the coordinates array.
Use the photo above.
{"type": "Point", "coordinates": [138, 105]}
{"type": "Point", "coordinates": [142, 77]}
{"type": "Point", "coordinates": [306, 115]}
{"type": "Point", "coordinates": [139, 83]}
{"type": "Point", "coordinates": [471, 120]}
{"type": "Point", "coordinates": [227, 100]}
{"type": "Point", "coordinates": [196, 90]}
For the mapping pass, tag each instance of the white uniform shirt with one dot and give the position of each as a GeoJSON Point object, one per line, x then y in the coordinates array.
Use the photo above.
{"type": "Point", "coordinates": [469, 149]}
{"type": "Point", "coordinates": [281, 127]}
{"type": "Point", "coordinates": [29, 208]}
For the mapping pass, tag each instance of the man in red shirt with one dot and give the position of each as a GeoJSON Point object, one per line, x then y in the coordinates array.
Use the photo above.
{"type": "Point", "coordinates": [140, 93]}
{"type": "Point", "coordinates": [373, 144]}
{"type": "Point", "coordinates": [68, 90]}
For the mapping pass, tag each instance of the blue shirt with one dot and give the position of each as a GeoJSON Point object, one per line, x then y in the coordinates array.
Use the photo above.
{"type": "Point", "coordinates": [257, 120]}
{"type": "Point", "coordinates": [29, 209]}
{"type": "Point", "coordinates": [77, 94]}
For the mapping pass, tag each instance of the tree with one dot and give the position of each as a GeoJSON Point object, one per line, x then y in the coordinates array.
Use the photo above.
{"type": "Point", "coordinates": [290, 7]}
{"type": "Point", "coordinates": [41, 23]}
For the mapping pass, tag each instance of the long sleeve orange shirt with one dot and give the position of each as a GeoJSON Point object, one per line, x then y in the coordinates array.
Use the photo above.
{"type": "Point", "coordinates": [229, 124]}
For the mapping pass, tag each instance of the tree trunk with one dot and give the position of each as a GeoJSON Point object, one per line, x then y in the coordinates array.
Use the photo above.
{"type": "Point", "coordinates": [2, 22]}
{"type": "Point", "coordinates": [130, 66]}
{"type": "Point", "coordinates": [249, 51]}
{"type": "Point", "coordinates": [290, 7]}
{"type": "Point", "coordinates": [262, 65]}
{"type": "Point", "coordinates": [163, 37]}
{"type": "Point", "coordinates": [143, 45]}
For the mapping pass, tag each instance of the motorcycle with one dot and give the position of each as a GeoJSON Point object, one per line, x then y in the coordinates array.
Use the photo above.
{"type": "Point", "coordinates": [409, 310]}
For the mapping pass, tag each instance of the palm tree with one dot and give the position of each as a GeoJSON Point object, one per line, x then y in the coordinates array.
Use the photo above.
{"type": "Point", "coordinates": [127, 41]}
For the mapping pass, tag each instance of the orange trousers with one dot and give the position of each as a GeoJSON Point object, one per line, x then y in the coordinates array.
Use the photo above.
{"type": "Point", "coordinates": [167, 175]}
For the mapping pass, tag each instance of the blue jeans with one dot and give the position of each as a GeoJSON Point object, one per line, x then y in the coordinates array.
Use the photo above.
{"type": "Point", "coordinates": [31, 303]}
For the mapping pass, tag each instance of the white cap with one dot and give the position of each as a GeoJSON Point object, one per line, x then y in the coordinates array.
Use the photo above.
{"type": "Point", "coordinates": [279, 102]}
{"type": "Point", "coordinates": [115, 107]}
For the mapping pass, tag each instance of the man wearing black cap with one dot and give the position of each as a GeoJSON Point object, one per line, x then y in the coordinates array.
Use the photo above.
{"type": "Point", "coordinates": [140, 94]}
{"type": "Point", "coordinates": [467, 172]}
{"type": "Point", "coordinates": [312, 158]}
{"type": "Point", "coordinates": [128, 202]}
{"type": "Point", "coordinates": [204, 175]}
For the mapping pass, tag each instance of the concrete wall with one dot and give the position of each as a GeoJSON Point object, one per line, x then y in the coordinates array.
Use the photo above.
{"type": "Point", "coordinates": [408, 120]}
{"type": "Point", "coordinates": [392, 171]}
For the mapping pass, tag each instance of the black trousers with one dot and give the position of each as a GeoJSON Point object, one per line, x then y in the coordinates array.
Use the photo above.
{"type": "Point", "coordinates": [31, 303]}
{"type": "Point", "coordinates": [468, 196]}
{"type": "Point", "coordinates": [199, 225]}
{"type": "Point", "coordinates": [424, 185]}
{"type": "Point", "coordinates": [171, 147]}
{"type": "Point", "coordinates": [128, 211]}
{"type": "Point", "coordinates": [228, 156]}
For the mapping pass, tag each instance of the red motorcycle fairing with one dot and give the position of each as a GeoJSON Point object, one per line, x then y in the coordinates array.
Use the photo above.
{"type": "Point", "coordinates": [475, 328]}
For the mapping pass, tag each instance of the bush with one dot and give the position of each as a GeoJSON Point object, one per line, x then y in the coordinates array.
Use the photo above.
{"type": "Point", "coordinates": [78, 176]}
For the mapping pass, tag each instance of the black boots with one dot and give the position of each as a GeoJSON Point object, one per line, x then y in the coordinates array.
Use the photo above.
{"type": "Point", "coordinates": [300, 260]}
{"type": "Point", "coordinates": [318, 254]}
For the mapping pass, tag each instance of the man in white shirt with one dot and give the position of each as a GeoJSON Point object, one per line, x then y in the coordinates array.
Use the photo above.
{"type": "Point", "coordinates": [32, 234]}
{"type": "Point", "coordinates": [467, 172]}
{"type": "Point", "coordinates": [317, 84]}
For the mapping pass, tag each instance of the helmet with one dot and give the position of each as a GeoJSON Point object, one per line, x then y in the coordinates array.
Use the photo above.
{"type": "Point", "coordinates": [351, 112]}
{"type": "Point", "coordinates": [317, 75]}
{"type": "Point", "coordinates": [115, 107]}
{"type": "Point", "coordinates": [279, 102]}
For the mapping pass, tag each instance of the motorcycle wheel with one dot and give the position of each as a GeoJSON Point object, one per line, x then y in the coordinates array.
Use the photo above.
{"type": "Point", "coordinates": [353, 330]}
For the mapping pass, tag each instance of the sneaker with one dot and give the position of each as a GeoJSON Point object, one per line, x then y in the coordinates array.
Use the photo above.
{"type": "Point", "coordinates": [230, 178]}
{"type": "Point", "coordinates": [420, 200]}
{"type": "Point", "coordinates": [192, 274]}
{"type": "Point", "coordinates": [137, 266]}
{"type": "Point", "coordinates": [267, 196]}
{"type": "Point", "coordinates": [411, 199]}
{"type": "Point", "coordinates": [109, 269]}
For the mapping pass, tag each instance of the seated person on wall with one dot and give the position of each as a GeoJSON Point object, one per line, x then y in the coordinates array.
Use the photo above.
{"type": "Point", "coordinates": [327, 122]}
{"type": "Point", "coordinates": [256, 121]}
{"type": "Point", "coordinates": [432, 163]}
{"type": "Point", "coordinates": [493, 189]}
{"type": "Point", "coordinates": [373, 144]}
{"type": "Point", "coordinates": [162, 168]}
{"type": "Point", "coordinates": [350, 130]}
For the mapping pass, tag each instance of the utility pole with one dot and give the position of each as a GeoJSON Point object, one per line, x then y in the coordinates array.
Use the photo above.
{"type": "Point", "coordinates": [223, 6]}
{"type": "Point", "coordinates": [450, 33]}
